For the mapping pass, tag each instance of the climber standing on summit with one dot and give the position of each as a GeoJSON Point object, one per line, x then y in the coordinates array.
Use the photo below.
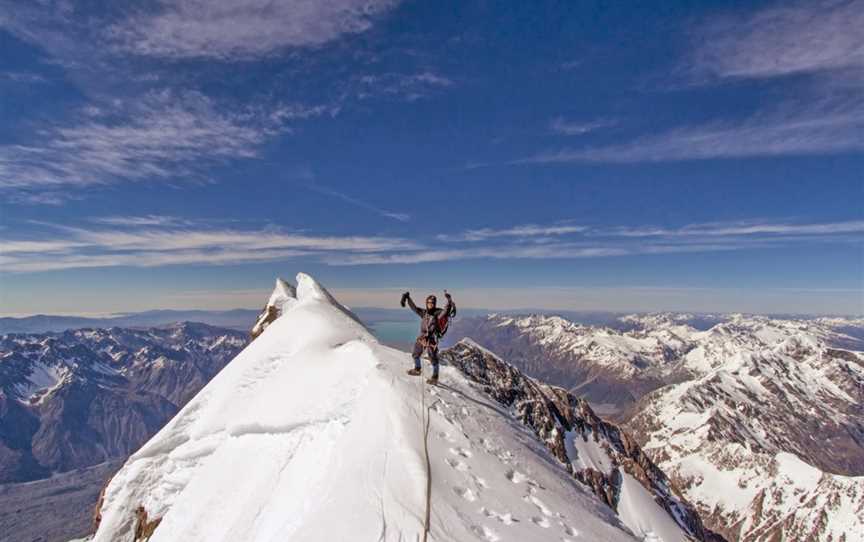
{"type": "Point", "coordinates": [433, 325]}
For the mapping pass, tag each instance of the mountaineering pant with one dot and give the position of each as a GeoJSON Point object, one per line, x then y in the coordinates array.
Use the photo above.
{"type": "Point", "coordinates": [431, 348]}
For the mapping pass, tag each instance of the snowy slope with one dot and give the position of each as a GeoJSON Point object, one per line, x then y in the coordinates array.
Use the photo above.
{"type": "Point", "coordinates": [597, 453]}
{"type": "Point", "coordinates": [314, 432]}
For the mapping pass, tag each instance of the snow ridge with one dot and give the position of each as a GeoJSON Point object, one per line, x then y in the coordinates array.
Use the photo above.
{"type": "Point", "coordinates": [313, 432]}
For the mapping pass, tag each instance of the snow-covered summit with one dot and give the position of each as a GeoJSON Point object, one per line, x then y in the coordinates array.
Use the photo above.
{"type": "Point", "coordinates": [314, 432]}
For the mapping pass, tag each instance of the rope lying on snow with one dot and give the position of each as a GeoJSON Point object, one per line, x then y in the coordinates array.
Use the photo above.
{"type": "Point", "coordinates": [425, 420]}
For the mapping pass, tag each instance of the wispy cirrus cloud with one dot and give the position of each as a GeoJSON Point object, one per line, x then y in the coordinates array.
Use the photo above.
{"type": "Point", "coordinates": [356, 202]}
{"type": "Point", "coordinates": [153, 241]}
{"type": "Point", "coordinates": [821, 40]}
{"type": "Point", "coordinates": [242, 29]}
{"type": "Point", "coordinates": [165, 135]}
{"type": "Point", "coordinates": [828, 127]}
{"type": "Point", "coordinates": [146, 220]}
{"type": "Point", "coordinates": [576, 242]}
{"type": "Point", "coordinates": [547, 251]}
{"type": "Point", "coordinates": [407, 86]}
{"type": "Point", "coordinates": [520, 231]}
{"type": "Point", "coordinates": [563, 126]}
{"type": "Point", "coordinates": [740, 228]}
{"type": "Point", "coordinates": [791, 38]}
{"type": "Point", "coordinates": [23, 77]}
{"type": "Point", "coordinates": [150, 241]}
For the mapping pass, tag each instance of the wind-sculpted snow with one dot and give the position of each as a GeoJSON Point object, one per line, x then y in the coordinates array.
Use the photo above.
{"type": "Point", "coordinates": [314, 432]}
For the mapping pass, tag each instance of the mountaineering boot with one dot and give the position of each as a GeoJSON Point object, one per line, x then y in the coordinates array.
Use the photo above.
{"type": "Point", "coordinates": [433, 380]}
{"type": "Point", "coordinates": [414, 372]}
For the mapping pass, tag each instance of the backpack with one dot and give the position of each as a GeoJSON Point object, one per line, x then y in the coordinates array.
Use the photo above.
{"type": "Point", "coordinates": [444, 320]}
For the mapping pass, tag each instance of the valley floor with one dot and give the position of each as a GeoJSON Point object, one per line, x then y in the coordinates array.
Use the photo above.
{"type": "Point", "coordinates": [55, 509]}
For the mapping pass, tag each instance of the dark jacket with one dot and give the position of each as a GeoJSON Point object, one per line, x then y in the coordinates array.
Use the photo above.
{"type": "Point", "coordinates": [429, 319]}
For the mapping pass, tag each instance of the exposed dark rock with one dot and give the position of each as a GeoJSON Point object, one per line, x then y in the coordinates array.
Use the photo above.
{"type": "Point", "coordinates": [144, 526]}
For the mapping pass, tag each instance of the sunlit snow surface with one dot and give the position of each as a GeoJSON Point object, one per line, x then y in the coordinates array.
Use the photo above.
{"type": "Point", "coordinates": [314, 432]}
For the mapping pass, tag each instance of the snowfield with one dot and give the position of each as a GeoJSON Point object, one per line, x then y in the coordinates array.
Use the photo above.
{"type": "Point", "coordinates": [315, 433]}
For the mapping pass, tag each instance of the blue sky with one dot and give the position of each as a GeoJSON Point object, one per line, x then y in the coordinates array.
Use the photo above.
{"type": "Point", "coordinates": [565, 155]}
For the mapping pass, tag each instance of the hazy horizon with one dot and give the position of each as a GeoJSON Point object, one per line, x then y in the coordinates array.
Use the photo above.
{"type": "Point", "coordinates": [474, 301]}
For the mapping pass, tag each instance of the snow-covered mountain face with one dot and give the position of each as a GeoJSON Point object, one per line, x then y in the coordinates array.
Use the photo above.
{"type": "Point", "coordinates": [614, 367]}
{"type": "Point", "coordinates": [610, 368]}
{"type": "Point", "coordinates": [315, 432]}
{"type": "Point", "coordinates": [759, 421]}
{"type": "Point", "coordinates": [78, 398]}
{"type": "Point", "coordinates": [760, 440]}
{"type": "Point", "coordinates": [597, 453]}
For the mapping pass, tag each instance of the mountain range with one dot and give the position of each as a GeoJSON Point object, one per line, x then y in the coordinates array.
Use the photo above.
{"type": "Point", "coordinates": [758, 420]}
{"type": "Point", "coordinates": [78, 398]}
{"type": "Point", "coordinates": [660, 426]}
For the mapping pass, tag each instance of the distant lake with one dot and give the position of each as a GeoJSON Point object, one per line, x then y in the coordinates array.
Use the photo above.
{"type": "Point", "coordinates": [396, 334]}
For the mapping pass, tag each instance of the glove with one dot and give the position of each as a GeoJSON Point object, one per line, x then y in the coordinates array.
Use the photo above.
{"type": "Point", "coordinates": [405, 297]}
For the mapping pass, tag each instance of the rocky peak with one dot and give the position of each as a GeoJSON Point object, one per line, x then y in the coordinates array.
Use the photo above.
{"type": "Point", "coordinates": [284, 294]}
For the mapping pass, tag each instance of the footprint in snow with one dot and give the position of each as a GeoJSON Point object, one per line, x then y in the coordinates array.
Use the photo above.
{"type": "Point", "coordinates": [568, 530]}
{"type": "Point", "coordinates": [465, 493]}
{"type": "Point", "coordinates": [540, 522]}
{"type": "Point", "coordinates": [505, 456]}
{"type": "Point", "coordinates": [506, 519]}
{"type": "Point", "coordinates": [516, 477]}
{"type": "Point", "coordinates": [479, 481]}
{"type": "Point", "coordinates": [461, 452]}
{"type": "Point", "coordinates": [486, 533]}
{"type": "Point", "coordinates": [455, 464]}
{"type": "Point", "coordinates": [538, 503]}
{"type": "Point", "coordinates": [446, 436]}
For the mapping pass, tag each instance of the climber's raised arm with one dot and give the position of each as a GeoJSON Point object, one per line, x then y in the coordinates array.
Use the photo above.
{"type": "Point", "coordinates": [406, 298]}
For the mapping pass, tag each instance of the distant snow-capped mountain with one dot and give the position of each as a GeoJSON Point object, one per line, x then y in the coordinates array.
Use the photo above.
{"type": "Point", "coordinates": [768, 440]}
{"type": "Point", "coordinates": [78, 398]}
{"type": "Point", "coordinates": [45, 323]}
{"type": "Point", "coordinates": [759, 421]}
{"type": "Point", "coordinates": [609, 367]}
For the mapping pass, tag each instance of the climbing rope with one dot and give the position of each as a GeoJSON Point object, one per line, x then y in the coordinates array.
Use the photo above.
{"type": "Point", "coordinates": [425, 418]}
